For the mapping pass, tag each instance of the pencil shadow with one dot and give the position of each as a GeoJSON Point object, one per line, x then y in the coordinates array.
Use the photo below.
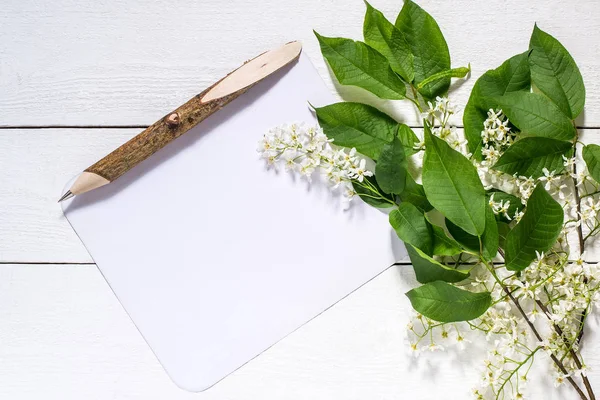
{"type": "Point", "coordinates": [172, 149]}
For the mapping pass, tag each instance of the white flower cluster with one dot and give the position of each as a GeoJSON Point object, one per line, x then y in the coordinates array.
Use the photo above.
{"type": "Point", "coordinates": [439, 116]}
{"type": "Point", "coordinates": [589, 212]}
{"type": "Point", "coordinates": [558, 185]}
{"type": "Point", "coordinates": [496, 137]}
{"type": "Point", "coordinates": [425, 336]}
{"type": "Point", "coordinates": [502, 207]}
{"type": "Point", "coordinates": [570, 287]}
{"type": "Point", "coordinates": [304, 149]}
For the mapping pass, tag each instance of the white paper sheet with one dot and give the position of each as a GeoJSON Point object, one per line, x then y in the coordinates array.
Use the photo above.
{"type": "Point", "coordinates": [215, 257]}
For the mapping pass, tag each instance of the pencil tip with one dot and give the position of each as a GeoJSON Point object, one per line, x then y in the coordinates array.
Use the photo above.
{"type": "Point", "coordinates": [66, 196]}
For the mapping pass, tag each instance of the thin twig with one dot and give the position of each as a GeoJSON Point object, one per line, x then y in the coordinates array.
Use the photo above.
{"type": "Point", "coordinates": [577, 202]}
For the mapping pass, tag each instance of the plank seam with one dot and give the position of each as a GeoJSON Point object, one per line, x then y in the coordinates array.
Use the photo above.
{"type": "Point", "coordinates": [16, 127]}
{"type": "Point", "coordinates": [45, 263]}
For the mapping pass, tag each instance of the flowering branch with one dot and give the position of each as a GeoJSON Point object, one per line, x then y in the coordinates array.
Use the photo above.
{"type": "Point", "coordinates": [509, 183]}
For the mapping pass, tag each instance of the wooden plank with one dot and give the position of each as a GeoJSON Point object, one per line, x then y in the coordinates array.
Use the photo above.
{"type": "Point", "coordinates": [95, 63]}
{"type": "Point", "coordinates": [36, 165]}
{"type": "Point", "coordinates": [65, 336]}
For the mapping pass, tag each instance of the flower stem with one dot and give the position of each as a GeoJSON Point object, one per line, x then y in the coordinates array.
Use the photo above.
{"type": "Point", "coordinates": [416, 99]}
{"type": "Point", "coordinates": [590, 194]}
{"type": "Point", "coordinates": [519, 365]}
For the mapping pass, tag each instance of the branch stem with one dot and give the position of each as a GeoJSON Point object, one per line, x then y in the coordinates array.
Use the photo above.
{"type": "Point", "coordinates": [578, 203]}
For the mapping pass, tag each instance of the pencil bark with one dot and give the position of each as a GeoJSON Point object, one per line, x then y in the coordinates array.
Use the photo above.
{"type": "Point", "coordinates": [159, 134]}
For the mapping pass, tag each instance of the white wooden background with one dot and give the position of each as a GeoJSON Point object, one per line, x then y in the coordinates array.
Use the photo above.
{"type": "Point", "coordinates": [77, 78]}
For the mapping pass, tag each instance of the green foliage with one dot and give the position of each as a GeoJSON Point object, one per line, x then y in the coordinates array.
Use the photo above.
{"type": "Point", "coordinates": [357, 125]}
{"type": "Point", "coordinates": [490, 238]}
{"type": "Point", "coordinates": [408, 138]}
{"type": "Point", "coordinates": [487, 245]}
{"type": "Point", "coordinates": [366, 195]}
{"type": "Point", "coordinates": [452, 185]}
{"type": "Point", "coordinates": [459, 72]}
{"type": "Point", "coordinates": [428, 46]}
{"type": "Point", "coordinates": [503, 230]}
{"type": "Point", "coordinates": [591, 156]}
{"type": "Point", "coordinates": [554, 73]}
{"type": "Point", "coordinates": [384, 37]}
{"type": "Point", "coordinates": [412, 227]}
{"type": "Point", "coordinates": [390, 171]}
{"type": "Point", "coordinates": [537, 231]}
{"type": "Point", "coordinates": [466, 241]}
{"type": "Point", "coordinates": [442, 244]}
{"type": "Point", "coordinates": [413, 50]}
{"type": "Point", "coordinates": [415, 194]}
{"type": "Point", "coordinates": [512, 76]}
{"type": "Point", "coordinates": [443, 302]}
{"type": "Point", "coordinates": [356, 64]}
{"type": "Point", "coordinates": [530, 155]}
{"type": "Point", "coordinates": [429, 270]}
{"type": "Point", "coordinates": [535, 115]}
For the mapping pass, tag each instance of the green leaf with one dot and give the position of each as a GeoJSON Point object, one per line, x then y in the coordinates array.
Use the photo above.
{"type": "Point", "coordinates": [383, 36]}
{"type": "Point", "coordinates": [442, 244]}
{"type": "Point", "coordinates": [357, 125]}
{"type": "Point", "coordinates": [530, 155]}
{"type": "Point", "coordinates": [503, 229]}
{"type": "Point", "coordinates": [412, 227]}
{"type": "Point", "coordinates": [356, 64]}
{"type": "Point", "coordinates": [368, 197]}
{"type": "Point", "coordinates": [428, 47]}
{"type": "Point", "coordinates": [466, 241]}
{"type": "Point", "coordinates": [554, 73]}
{"type": "Point", "coordinates": [443, 302]}
{"type": "Point", "coordinates": [408, 138]}
{"type": "Point", "coordinates": [390, 171]}
{"type": "Point", "coordinates": [515, 203]}
{"type": "Point", "coordinates": [535, 115]}
{"type": "Point", "coordinates": [591, 155]}
{"type": "Point", "coordinates": [511, 76]}
{"type": "Point", "coordinates": [459, 72]}
{"type": "Point", "coordinates": [415, 194]}
{"type": "Point", "coordinates": [489, 239]}
{"type": "Point", "coordinates": [428, 270]}
{"type": "Point", "coordinates": [452, 185]}
{"type": "Point", "coordinates": [537, 231]}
